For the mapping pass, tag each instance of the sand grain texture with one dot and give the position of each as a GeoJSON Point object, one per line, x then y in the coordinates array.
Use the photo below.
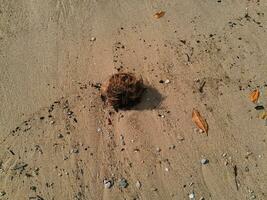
{"type": "Point", "coordinates": [57, 139]}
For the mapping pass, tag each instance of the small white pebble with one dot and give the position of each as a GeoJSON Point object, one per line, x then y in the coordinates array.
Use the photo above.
{"type": "Point", "coordinates": [167, 81]}
{"type": "Point", "coordinates": [93, 39]}
{"type": "Point", "coordinates": [138, 184]}
{"type": "Point", "coordinates": [166, 169]}
{"type": "Point", "coordinates": [192, 196]}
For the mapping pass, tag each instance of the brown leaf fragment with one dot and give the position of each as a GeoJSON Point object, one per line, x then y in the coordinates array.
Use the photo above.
{"type": "Point", "coordinates": [199, 121]}
{"type": "Point", "coordinates": [159, 14]}
{"type": "Point", "coordinates": [254, 96]}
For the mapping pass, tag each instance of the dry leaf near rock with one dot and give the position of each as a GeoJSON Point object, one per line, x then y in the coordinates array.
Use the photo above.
{"type": "Point", "coordinates": [199, 121]}
{"type": "Point", "coordinates": [254, 96]}
{"type": "Point", "coordinates": [122, 90]}
{"type": "Point", "coordinates": [159, 14]}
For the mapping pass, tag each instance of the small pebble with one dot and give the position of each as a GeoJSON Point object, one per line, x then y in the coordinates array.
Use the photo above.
{"type": "Point", "coordinates": [166, 169]}
{"type": "Point", "coordinates": [167, 81]}
{"type": "Point", "coordinates": [108, 184]}
{"type": "Point", "coordinates": [224, 154]}
{"type": "Point", "coordinates": [2, 193]}
{"type": "Point", "coordinates": [98, 130]}
{"type": "Point", "coordinates": [33, 188]}
{"type": "Point", "coordinates": [158, 149]}
{"type": "Point", "coordinates": [52, 122]}
{"type": "Point", "coordinates": [123, 183]}
{"type": "Point", "coordinates": [201, 198]}
{"type": "Point", "coordinates": [191, 196]}
{"type": "Point", "coordinates": [253, 197]}
{"type": "Point", "coordinates": [59, 135]}
{"type": "Point", "coordinates": [138, 184]}
{"type": "Point", "coordinates": [93, 39]}
{"type": "Point", "coordinates": [180, 138]}
{"type": "Point", "coordinates": [154, 189]}
{"type": "Point", "coordinates": [74, 150]}
{"type": "Point", "coordinates": [204, 161]}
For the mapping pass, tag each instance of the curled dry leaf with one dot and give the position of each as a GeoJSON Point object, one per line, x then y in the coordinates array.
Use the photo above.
{"type": "Point", "coordinates": [159, 14]}
{"type": "Point", "coordinates": [254, 95]}
{"type": "Point", "coordinates": [199, 121]}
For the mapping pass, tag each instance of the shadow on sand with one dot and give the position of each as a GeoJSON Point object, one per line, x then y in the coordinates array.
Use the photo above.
{"type": "Point", "coordinates": [151, 99]}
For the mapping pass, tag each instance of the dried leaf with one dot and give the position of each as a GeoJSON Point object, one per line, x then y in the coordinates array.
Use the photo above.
{"type": "Point", "coordinates": [263, 115]}
{"type": "Point", "coordinates": [199, 121]}
{"type": "Point", "coordinates": [159, 14]}
{"type": "Point", "coordinates": [254, 96]}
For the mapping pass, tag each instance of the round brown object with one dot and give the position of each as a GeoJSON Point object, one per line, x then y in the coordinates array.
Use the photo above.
{"type": "Point", "coordinates": [122, 90]}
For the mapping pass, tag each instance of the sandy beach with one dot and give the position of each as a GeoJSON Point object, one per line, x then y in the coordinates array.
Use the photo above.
{"type": "Point", "coordinates": [59, 141]}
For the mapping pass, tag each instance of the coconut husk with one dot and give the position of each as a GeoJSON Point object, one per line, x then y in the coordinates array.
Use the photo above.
{"type": "Point", "coordinates": [122, 90]}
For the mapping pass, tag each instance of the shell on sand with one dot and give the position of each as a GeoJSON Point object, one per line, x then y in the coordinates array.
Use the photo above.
{"type": "Point", "coordinates": [122, 90]}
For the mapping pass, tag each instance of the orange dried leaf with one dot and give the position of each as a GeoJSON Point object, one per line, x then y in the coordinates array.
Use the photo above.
{"type": "Point", "coordinates": [159, 14]}
{"type": "Point", "coordinates": [199, 121]}
{"type": "Point", "coordinates": [254, 96]}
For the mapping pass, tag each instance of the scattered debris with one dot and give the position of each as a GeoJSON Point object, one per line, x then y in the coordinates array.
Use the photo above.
{"type": "Point", "coordinates": [199, 121]}
{"type": "Point", "coordinates": [159, 14]}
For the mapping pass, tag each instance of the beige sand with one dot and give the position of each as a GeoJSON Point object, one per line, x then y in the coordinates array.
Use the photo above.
{"type": "Point", "coordinates": [48, 61]}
